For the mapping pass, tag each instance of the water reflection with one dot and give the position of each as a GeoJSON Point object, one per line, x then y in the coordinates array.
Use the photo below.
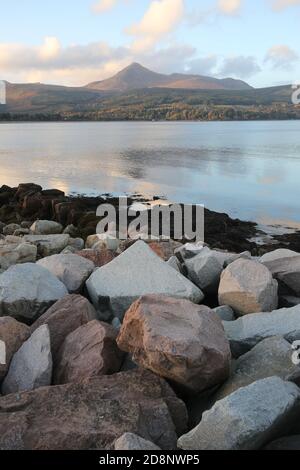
{"type": "Point", "coordinates": [249, 170]}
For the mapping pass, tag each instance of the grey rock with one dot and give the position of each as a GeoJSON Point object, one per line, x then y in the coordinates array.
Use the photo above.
{"type": "Point", "coordinates": [248, 287]}
{"type": "Point", "coordinates": [48, 245]}
{"type": "Point", "coordinates": [27, 291]}
{"type": "Point", "coordinates": [31, 366]}
{"type": "Point", "coordinates": [10, 229]}
{"type": "Point", "coordinates": [77, 243]}
{"type": "Point", "coordinates": [285, 267]}
{"type": "Point", "coordinates": [271, 357]}
{"type": "Point", "coordinates": [26, 224]}
{"type": "Point", "coordinates": [11, 254]}
{"type": "Point", "coordinates": [137, 272]}
{"type": "Point", "coordinates": [205, 271]}
{"type": "Point", "coordinates": [46, 227]}
{"type": "Point", "coordinates": [249, 330]}
{"type": "Point", "coordinates": [71, 230]}
{"type": "Point", "coordinates": [174, 263]}
{"type": "Point", "coordinates": [21, 231]}
{"type": "Point", "coordinates": [248, 418]}
{"type": "Point", "coordinates": [189, 250]}
{"type": "Point", "coordinates": [133, 442]}
{"type": "Point", "coordinates": [225, 313]}
{"type": "Point", "coordinates": [72, 270]}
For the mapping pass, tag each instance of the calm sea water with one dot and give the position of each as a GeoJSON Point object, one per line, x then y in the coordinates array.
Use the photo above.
{"type": "Point", "coordinates": [250, 170]}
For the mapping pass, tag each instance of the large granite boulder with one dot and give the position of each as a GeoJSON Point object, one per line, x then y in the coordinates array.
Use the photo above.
{"type": "Point", "coordinates": [205, 271]}
{"type": "Point", "coordinates": [248, 418]}
{"type": "Point", "coordinates": [31, 366]}
{"type": "Point", "coordinates": [13, 334]}
{"type": "Point", "coordinates": [89, 351]}
{"type": "Point", "coordinates": [136, 272]}
{"type": "Point", "coordinates": [178, 340]}
{"type": "Point", "coordinates": [27, 291]}
{"type": "Point", "coordinates": [48, 245]}
{"type": "Point", "coordinates": [64, 317]}
{"type": "Point", "coordinates": [285, 267]}
{"type": "Point", "coordinates": [93, 414]}
{"type": "Point", "coordinates": [70, 269]}
{"type": "Point", "coordinates": [270, 357]}
{"type": "Point", "coordinates": [46, 227]}
{"type": "Point", "coordinates": [11, 254]}
{"type": "Point", "coordinates": [248, 287]}
{"type": "Point", "coordinates": [249, 330]}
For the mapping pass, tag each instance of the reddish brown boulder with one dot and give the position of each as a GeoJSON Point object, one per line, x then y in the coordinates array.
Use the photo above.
{"type": "Point", "coordinates": [89, 351]}
{"type": "Point", "coordinates": [13, 334]}
{"type": "Point", "coordinates": [98, 257]}
{"type": "Point", "coordinates": [64, 317]}
{"type": "Point", "coordinates": [92, 414]}
{"type": "Point", "coordinates": [178, 340]}
{"type": "Point", "coordinates": [165, 249]}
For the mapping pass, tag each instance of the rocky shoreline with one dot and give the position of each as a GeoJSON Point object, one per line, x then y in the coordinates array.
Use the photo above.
{"type": "Point", "coordinates": [143, 345]}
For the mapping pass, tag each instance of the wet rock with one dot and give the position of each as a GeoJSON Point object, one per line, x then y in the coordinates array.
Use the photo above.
{"type": "Point", "coordinates": [248, 287]}
{"type": "Point", "coordinates": [247, 419]}
{"type": "Point", "coordinates": [31, 365]}
{"type": "Point", "coordinates": [27, 291]}
{"type": "Point", "coordinates": [136, 272]}
{"type": "Point", "coordinates": [70, 269]}
{"type": "Point", "coordinates": [92, 414]}
{"type": "Point", "coordinates": [178, 340]}
{"type": "Point", "coordinates": [89, 351]}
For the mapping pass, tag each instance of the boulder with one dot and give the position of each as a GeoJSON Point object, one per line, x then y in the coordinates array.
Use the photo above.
{"type": "Point", "coordinates": [27, 291]}
{"type": "Point", "coordinates": [248, 287]}
{"type": "Point", "coordinates": [249, 330]}
{"type": "Point", "coordinates": [10, 229]}
{"type": "Point", "coordinates": [92, 414]}
{"type": "Point", "coordinates": [77, 243]}
{"type": "Point", "coordinates": [102, 241]}
{"type": "Point", "coordinates": [285, 267]}
{"type": "Point", "coordinates": [225, 313]}
{"type": "Point", "coordinates": [11, 254]}
{"type": "Point", "coordinates": [189, 250]}
{"type": "Point", "coordinates": [271, 357]}
{"type": "Point", "coordinates": [89, 351]}
{"type": "Point", "coordinates": [165, 249]}
{"type": "Point", "coordinates": [48, 245]}
{"type": "Point", "coordinates": [225, 258]}
{"type": "Point", "coordinates": [178, 340]}
{"type": "Point", "coordinates": [71, 230]}
{"type": "Point", "coordinates": [13, 334]}
{"type": "Point", "coordinates": [64, 317]}
{"type": "Point", "coordinates": [31, 365]}
{"type": "Point", "coordinates": [70, 269]}
{"type": "Point", "coordinates": [46, 227]}
{"type": "Point", "coordinates": [136, 272]}
{"type": "Point", "coordinates": [99, 258]}
{"type": "Point", "coordinates": [248, 418]}
{"type": "Point", "coordinates": [205, 271]}
{"type": "Point", "coordinates": [175, 264]}
{"type": "Point", "coordinates": [132, 442]}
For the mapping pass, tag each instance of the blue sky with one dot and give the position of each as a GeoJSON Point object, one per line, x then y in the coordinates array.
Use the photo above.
{"type": "Point", "coordinates": [77, 42]}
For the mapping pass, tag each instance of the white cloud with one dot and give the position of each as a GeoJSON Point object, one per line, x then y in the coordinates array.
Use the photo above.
{"type": "Point", "coordinates": [229, 7]}
{"type": "Point", "coordinates": [160, 19]}
{"type": "Point", "coordinates": [281, 57]}
{"type": "Point", "coordinates": [239, 66]}
{"type": "Point", "coordinates": [282, 4]}
{"type": "Point", "coordinates": [102, 6]}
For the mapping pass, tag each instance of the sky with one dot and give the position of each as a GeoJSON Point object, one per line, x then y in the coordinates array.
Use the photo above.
{"type": "Point", "coordinates": [76, 42]}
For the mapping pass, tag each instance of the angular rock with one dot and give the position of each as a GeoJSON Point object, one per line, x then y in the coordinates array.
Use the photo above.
{"type": "Point", "coordinates": [13, 334]}
{"type": "Point", "coordinates": [46, 227]}
{"type": "Point", "coordinates": [248, 287]}
{"type": "Point", "coordinates": [87, 352]}
{"type": "Point", "coordinates": [225, 258]}
{"type": "Point", "coordinates": [225, 313]}
{"type": "Point", "coordinates": [285, 267]}
{"type": "Point", "coordinates": [189, 250]}
{"type": "Point", "coordinates": [136, 272]}
{"type": "Point", "coordinates": [64, 317]}
{"type": "Point", "coordinates": [205, 271]}
{"type": "Point", "coordinates": [271, 357]}
{"type": "Point", "coordinates": [11, 254]}
{"type": "Point", "coordinates": [92, 414]}
{"type": "Point", "coordinates": [175, 264]}
{"type": "Point", "coordinates": [165, 249]}
{"type": "Point", "coordinates": [133, 442]}
{"type": "Point", "coordinates": [178, 340]}
{"type": "Point", "coordinates": [31, 365]}
{"type": "Point", "coordinates": [70, 269]}
{"type": "Point", "coordinates": [248, 418]}
{"type": "Point", "coordinates": [27, 291]}
{"type": "Point", "coordinates": [48, 245]}
{"type": "Point", "coordinates": [249, 330]}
